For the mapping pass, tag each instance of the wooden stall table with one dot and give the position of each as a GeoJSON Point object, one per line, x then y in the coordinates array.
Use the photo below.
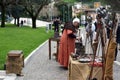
{"type": "Point", "coordinates": [56, 40]}
{"type": "Point", "coordinates": [81, 71]}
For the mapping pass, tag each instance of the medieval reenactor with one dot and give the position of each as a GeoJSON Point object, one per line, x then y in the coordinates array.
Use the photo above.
{"type": "Point", "coordinates": [67, 42]}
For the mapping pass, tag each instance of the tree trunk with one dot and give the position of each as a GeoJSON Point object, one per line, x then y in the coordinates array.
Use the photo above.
{"type": "Point", "coordinates": [18, 22]}
{"type": "Point", "coordinates": [15, 21]}
{"type": "Point", "coordinates": [33, 22]}
{"type": "Point", "coordinates": [2, 16]}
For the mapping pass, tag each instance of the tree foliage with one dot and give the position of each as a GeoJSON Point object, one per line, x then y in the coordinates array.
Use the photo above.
{"type": "Point", "coordinates": [114, 4]}
{"type": "Point", "coordinates": [16, 11]}
{"type": "Point", "coordinates": [3, 6]}
{"type": "Point", "coordinates": [65, 9]}
{"type": "Point", "coordinates": [33, 7]}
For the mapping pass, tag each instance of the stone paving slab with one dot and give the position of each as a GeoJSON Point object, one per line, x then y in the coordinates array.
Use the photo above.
{"type": "Point", "coordinates": [10, 77]}
{"type": "Point", "coordinates": [2, 74]}
{"type": "Point", "coordinates": [116, 70]}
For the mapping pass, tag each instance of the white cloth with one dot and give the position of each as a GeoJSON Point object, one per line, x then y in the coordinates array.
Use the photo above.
{"type": "Point", "coordinates": [92, 27]}
{"type": "Point", "coordinates": [76, 20]}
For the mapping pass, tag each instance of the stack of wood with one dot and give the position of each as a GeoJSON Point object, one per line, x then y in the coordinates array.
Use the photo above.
{"type": "Point", "coordinates": [15, 62]}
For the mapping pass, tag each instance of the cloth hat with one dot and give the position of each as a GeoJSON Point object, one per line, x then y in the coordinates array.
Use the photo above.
{"type": "Point", "coordinates": [76, 20]}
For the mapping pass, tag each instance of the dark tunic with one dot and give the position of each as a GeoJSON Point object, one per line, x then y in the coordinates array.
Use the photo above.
{"type": "Point", "coordinates": [118, 35]}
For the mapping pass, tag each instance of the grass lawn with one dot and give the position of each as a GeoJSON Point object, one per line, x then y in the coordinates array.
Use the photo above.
{"type": "Point", "coordinates": [20, 38]}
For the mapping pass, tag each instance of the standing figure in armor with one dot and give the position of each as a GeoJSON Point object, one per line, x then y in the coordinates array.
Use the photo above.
{"type": "Point", "coordinates": [90, 29]}
{"type": "Point", "coordinates": [101, 36]}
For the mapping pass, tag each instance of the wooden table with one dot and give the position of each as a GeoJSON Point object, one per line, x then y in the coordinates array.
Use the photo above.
{"type": "Point", "coordinates": [57, 49]}
{"type": "Point", "coordinates": [81, 71]}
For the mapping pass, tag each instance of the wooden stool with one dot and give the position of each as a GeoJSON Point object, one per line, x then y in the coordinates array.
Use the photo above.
{"type": "Point", "coordinates": [57, 40]}
{"type": "Point", "coordinates": [15, 62]}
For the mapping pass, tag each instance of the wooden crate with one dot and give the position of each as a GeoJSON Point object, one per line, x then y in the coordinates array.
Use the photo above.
{"type": "Point", "coordinates": [16, 53]}
{"type": "Point", "coordinates": [14, 62]}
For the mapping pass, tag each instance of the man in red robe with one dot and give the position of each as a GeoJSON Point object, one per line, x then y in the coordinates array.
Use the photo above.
{"type": "Point", "coordinates": [67, 42]}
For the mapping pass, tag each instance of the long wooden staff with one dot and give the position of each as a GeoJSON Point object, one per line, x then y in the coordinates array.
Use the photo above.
{"type": "Point", "coordinates": [102, 42]}
{"type": "Point", "coordinates": [94, 54]}
{"type": "Point", "coordinates": [103, 55]}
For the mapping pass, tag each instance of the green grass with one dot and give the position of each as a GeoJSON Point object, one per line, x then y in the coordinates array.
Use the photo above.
{"type": "Point", "coordinates": [20, 38]}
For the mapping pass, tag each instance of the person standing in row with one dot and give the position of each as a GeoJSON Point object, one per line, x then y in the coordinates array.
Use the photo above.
{"type": "Point", "coordinates": [118, 36]}
{"type": "Point", "coordinates": [67, 42]}
{"type": "Point", "coordinates": [56, 25]}
{"type": "Point", "coordinates": [117, 40]}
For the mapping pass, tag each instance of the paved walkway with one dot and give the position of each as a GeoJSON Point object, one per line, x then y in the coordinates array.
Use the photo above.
{"type": "Point", "coordinates": [41, 68]}
{"type": "Point", "coordinates": [28, 22]}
